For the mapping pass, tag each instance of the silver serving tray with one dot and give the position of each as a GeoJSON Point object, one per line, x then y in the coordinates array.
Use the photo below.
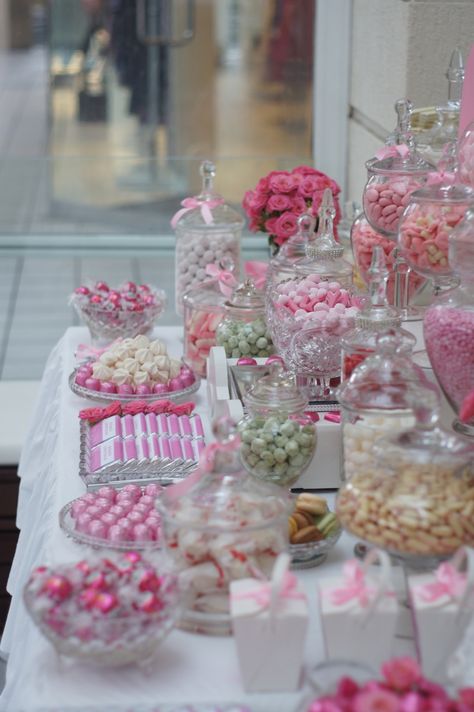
{"type": "Point", "coordinates": [163, 471]}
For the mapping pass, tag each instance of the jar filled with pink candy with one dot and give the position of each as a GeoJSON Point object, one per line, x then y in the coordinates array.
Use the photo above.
{"type": "Point", "coordinates": [432, 213]}
{"type": "Point", "coordinates": [397, 172]}
{"type": "Point", "coordinates": [221, 524]}
{"type": "Point", "coordinates": [204, 309]}
{"type": "Point", "coordinates": [448, 328]}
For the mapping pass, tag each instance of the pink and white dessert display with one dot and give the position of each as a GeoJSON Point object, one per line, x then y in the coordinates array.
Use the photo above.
{"type": "Point", "coordinates": [423, 236]}
{"type": "Point", "coordinates": [384, 202]}
{"type": "Point", "coordinates": [135, 366]}
{"type": "Point", "coordinates": [115, 518]}
{"type": "Point", "coordinates": [125, 311]}
{"type": "Point", "coordinates": [363, 239]}
{"type": "Point", "coordinates": [110, 611]}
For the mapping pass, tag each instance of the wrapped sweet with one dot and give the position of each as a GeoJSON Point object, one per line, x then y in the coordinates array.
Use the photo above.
{"type": "Point", "coordinates": [221, 525]}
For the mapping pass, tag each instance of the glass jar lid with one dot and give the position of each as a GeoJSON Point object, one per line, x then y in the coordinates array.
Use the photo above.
{"type": "Point", "coordinates": [221, 495]}
{"type": "Point", "coordinates": [208, 209]}
{"type": "Point", "coordinates": [378, 315]}
{"type": "Point", "coordinates": [449, 193]}
{"type": "Point", "coordinates": [295, 246]}
{"type": "Point", "coordinates": [384, 380]}
{"type": "Point", "coordinates": [246, 296]}
{"type": "Point", "coordinates": [277, 391]}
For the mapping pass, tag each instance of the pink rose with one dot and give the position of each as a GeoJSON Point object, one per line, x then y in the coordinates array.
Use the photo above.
{"type": "Point", "coordinates": [258, 202]}
{"type": "Point", "coordinates": [247, 199]}
{"type": "Point", "coordinates": [270, 225]}
{"type": "Point", "coordinates": [376, 701]}
{"type": "Point", "coordinates": [263, 185]}
{"type": "Point", "coordinates": [279, 203]}
{"type": "Point", "coordinates": [254, 224]}
{"type": "Point", "coordinates": [299, 205]}
{"type": "Point", "coordinates": [347, 687]}
{"type": "Point", "coordinates": [466, 699]}
{"type": "Point", "coordinates": [325, 704]}
{"type": "Point", "coordinates": [307, 171]}
{"type": "Point", "coordinates": [401, 673]}
{"type": "Point", "coordinates": [310, 184]}
{"type": "Point", "coordinates": [282, 182]}
{"type": "Point", "coordinates": [286, 225]}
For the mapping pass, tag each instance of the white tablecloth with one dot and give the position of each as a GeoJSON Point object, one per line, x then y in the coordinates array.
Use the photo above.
{"type": "Point", "coordinates": [188, 668]}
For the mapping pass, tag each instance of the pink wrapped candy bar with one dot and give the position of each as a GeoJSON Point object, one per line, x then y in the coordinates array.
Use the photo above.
{"type": "Point", "coordinates": [107, 453]}
{"type": "Point", "coordinates": [106, 429]}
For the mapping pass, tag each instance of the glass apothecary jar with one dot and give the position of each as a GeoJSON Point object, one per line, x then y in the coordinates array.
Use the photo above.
{"type": "Point", "coordinates": [418, 500]}
{"type": "Point", "coordinates": [221, 525]}
{"type": "Point", "coordinates": [243, 330]}
{"type": "Point", "coordinates": [448, 328]}
{"type": "Point", "coordinates": [204, 308]}
{"type": "Point", "coordinates": [207, 231]}
{"type": "Point", "coordinates": [375, 401]}
{"type": "Point", "coordinates": [278, 438]}
{"type": "Point", "coordinates": [431, 214]}
{"type": "Point", "coordinates": [397, 172]}
{"type": "Point", "coordinates": [466, 156]}
{"type": "Point", "coordinates": [374, 319]}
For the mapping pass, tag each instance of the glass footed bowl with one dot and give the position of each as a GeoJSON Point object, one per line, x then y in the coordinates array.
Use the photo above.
{"type": "Point", "coordinates": [305, 556]}
{"type": "Point", "coordinates": [106, 325]}
{"type": "Point", "coordinates": [110, 642]}
{"type": "Point", "coordinates": [67, 524]}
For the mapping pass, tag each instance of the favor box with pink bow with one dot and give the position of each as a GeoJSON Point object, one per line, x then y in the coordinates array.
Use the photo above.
{"type": "Point", "coordinates": [270, 620]}
{"type": "Point", "coordinates": [442, 604]}
{"type": "Point", "coordinates": [359, 611]}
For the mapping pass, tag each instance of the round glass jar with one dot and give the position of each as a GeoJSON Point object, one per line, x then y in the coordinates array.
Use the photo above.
{"type": "Point", "coordinates": [207, 231]}
{"type": "Point", "coordinates": [278, 438]}
{"type": "Point", "coordinates": [221, 525]}
{"type": "Point", "coordinates": [374, 319]}
{"type": "Point", "coordinates": [418, 500]}
{"type": "Point", "coordinates": [448, 329]}
{"type": "Point", "coordinates": [204, 309]}
{"type": "Point", "coordinates": [243, 330]}
{"type": "Point", "coordinates": [431, 214]}
{"type": "Point", "coordinates": [374, 402]}
{"type": "Point", "coordinates": [390, 182]}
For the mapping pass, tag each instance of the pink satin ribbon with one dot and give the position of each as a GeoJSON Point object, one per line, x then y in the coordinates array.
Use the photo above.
{"type": "Point", "coordinates": [388, 151]}
{"type": "Point", "coordinates": [191, 203]}
{"type": "Point", "coordinates": [449, 582]}
{"type": "Point", "coordinates": [227, 281]}
{"type": "Point", "coordinates": [257, 271]}
{"type": "Point", "coordinates": [437, 177]}
{"type": "Point", "coordinates": [262, 593]}
{"type": "Point", "coordinates": [355, 586]}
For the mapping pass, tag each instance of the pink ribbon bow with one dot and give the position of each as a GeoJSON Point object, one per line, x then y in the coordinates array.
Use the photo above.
{"type": "Point", "coordinates": [354, 587]}
{"type": "Point", "coordinates": [191, 203]}
{"type": "Point", "coordinates": [262, 593]}
{"type": "Point", "coordinates": [227, 281]}
{"type": "Point", "coordinates": [257, 271]}
{"type": "Point", "coordinates": [449, 582]}
{"type": "Point", "coordinates": [437, 177]}
{"type": "Point", "coordinates": [387, 151]}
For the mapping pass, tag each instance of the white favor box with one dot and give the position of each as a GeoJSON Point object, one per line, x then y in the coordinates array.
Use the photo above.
{"type": "Point", "coordinates": [358, 631]}
{"type": "Point", "coordinates": [270, 645]}
{"type": "Point", "coordinates": [441, 621]}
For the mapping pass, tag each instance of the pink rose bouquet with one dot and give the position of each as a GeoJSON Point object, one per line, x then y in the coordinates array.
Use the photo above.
{"type": "Point", "coordinates": [402, 689]}
{"type": "Point", "coordinates": [281, 197]}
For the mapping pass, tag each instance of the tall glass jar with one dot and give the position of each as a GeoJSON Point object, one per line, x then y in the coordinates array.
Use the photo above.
{"type": "Point", "coordinates": [204, 309]}
{"type": "Point", "coordinates": [375, 401]}
{"type": "Point", "coordinates": [243, 330]}
{"type": "Point", "coordinates": [418, 500]}
{"type": "Point", "coordinates": [221, 525]}
{"type": "Point", "coordinates": [278, 438]}
{"type": "Point", "coordinates": [207, 231]}
{"type": "Point", "coordinates": [374, 319]}
{"type": "Point", "coordinates": [448, 328]}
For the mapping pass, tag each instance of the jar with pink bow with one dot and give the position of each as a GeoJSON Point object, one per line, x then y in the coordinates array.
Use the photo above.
{"type": "Point", "coordinates": [207, 231]}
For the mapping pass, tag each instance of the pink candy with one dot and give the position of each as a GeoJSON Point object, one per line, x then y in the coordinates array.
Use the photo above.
{"type": "Point", "coordinates": [128, 297]}
{"type": "Point", "coordinates": [199, 336]}
{"type": "Point", "coordinates": [328, 303]}
{"type": "Point", "coordinates": [385, 202]}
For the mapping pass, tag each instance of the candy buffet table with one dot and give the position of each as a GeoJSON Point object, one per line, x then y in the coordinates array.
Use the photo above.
{"type": "Point", "coordinates": [188, 668]}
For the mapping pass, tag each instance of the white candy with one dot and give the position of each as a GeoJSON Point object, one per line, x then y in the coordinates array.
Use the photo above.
{"type": "Point", "coordinates": [102, 372]}
{"type": "Point", "coordinates": [121, 376]}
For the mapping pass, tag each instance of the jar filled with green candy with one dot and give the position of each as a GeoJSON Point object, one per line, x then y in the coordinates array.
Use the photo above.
{"type": "Point", "coordinates": [243, 330]}
{"type": "Point", "coordinates": [278, 436]}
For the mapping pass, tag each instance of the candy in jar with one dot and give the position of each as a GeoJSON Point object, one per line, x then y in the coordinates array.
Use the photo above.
{"type": "Point", "coordinates": [221, 525]}
{"type": "Point", "coordinates": [278, 438]}
{"type": "Point", "coordinates": [243, 330]}
{"type": "Point", "coordinates": [207, 231]}
{"type": "Point", "coordinates": [417, 500]}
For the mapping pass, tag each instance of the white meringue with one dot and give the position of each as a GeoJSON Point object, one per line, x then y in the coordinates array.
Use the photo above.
{"type": "Point", "coordinates": [126, 343]}
{"type": "Point", "coordinates": [121, 376]}
{"type": "Point", "coordinates": [101, 371]}
{"type": "Point", "coordinates": [174, 368]}
{"type": "Point", "coordinates": [131, 365]}
{"type": "Point", "coordinates": [143, 355]}
{"type": "Point", "coordinates": [141, 377]}
{"type": "Point", "coordinates": [141, 342]}
{"type": "Point", "coordinates": [161, 376]}
{"type": "Point", "coordinates": [162, 362]}
{"type": "Point", "coordinates": [158, 348]}
{"type": "Point", "coordinates": [108, 358]}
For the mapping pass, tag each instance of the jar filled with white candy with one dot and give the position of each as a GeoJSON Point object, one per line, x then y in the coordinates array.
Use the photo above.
{"type": "Point", "coordinates": [418, 501]}
{"type": "Point", "coordinates": [374, 319]}
{"type": "Point", "coordinates": [221, 525]}
{"type": "Point", "coordinates": [243, 331]}
{"type": "Point", "coordinates": [376, 401]}
{"type": "Point", "coordinates": [317, 289]}
{"type": "Point", "coordinates": [278, 437]}
{"type": "Point", "coordinates": [397, 171]}
{"type": "Point", "coordinates": [207, 231]}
